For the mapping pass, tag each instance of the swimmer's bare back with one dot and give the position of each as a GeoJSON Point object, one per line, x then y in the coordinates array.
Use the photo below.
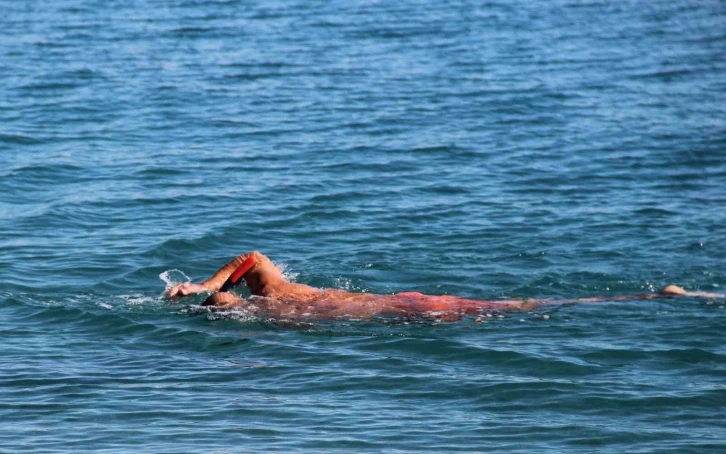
{"type": "Point", "coordinates": [278, 298]}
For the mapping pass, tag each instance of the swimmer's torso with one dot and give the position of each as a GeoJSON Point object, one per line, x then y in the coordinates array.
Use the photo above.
{"type": "Point", "coordinates": [331, 303]}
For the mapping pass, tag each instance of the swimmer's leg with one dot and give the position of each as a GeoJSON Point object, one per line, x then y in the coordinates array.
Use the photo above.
{"type": "Point", "coordinates": [223, 299]}
{"type": "Point", "coordinates": [668, 292]}
{"type": "Point", "coordinates": [528, 304]}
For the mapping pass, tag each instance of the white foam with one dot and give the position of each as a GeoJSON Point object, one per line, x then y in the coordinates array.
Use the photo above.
{"type": "Point", "coordinates": [289, 275]}
{"type": "Point", "coordinates": [344, 284]}
{"type": "Point", "coordinates": [136, 299]}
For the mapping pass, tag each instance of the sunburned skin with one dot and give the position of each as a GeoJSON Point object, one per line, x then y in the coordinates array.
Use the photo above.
{"type": "Point", "coordinates": [278, 298]}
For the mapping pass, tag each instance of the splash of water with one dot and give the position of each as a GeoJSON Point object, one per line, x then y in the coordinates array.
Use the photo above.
{"type": "Point", "coordinates": [287, 274]}
{"type": "Point", "coordinates": [173, 277]}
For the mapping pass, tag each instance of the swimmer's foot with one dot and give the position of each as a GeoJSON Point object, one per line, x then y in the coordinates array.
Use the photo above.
{"type": "Point", "coordinates": [674, 290]}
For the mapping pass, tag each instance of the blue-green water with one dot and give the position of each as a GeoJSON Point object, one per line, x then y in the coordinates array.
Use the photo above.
{"type": "Point", "coordinates": [483, 149]}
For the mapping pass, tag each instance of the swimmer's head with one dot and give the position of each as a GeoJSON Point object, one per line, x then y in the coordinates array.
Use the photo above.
{"type": "Point", "coordinates": [262, 273]}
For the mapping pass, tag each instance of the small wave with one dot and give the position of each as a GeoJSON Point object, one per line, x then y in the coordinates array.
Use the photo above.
{"type": "Point", "coordinates": [19, 139]}
{"type": "Point", "coordinates": [665, 74]}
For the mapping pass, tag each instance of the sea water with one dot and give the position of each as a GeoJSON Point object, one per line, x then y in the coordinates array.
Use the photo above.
{"type": "Point", "coordinates": [545, 149]}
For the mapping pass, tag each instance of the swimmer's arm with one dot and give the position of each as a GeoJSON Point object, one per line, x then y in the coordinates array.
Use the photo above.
{"type": "Point", "coordinates": [216, 282]}
{"type": "Point", "coordinates": [212, 284]}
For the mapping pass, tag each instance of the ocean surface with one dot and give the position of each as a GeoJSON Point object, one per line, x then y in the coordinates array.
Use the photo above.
{"type": "Point", "coordinates": [544, 149]}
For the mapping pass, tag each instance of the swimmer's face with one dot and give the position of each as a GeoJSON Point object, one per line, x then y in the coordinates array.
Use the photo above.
{"type": "Point", "coordinates": [252, 279]}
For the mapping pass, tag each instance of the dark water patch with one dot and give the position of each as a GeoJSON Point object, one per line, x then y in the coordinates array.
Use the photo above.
{"type": "Point", "coordinates": [665, 74]}
{"type": "Point", "coordinates": [19, 139]}
{"type": "Point", "coordinates": [49, 86]}
{"type": "Point", "coordinates": [254, 76]}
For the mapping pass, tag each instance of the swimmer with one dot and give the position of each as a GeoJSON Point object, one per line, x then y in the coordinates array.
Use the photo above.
{"type": "Point", "coordinates": [276, 297]}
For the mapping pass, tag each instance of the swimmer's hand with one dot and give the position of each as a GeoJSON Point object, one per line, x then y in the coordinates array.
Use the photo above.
{"type": "Point", "coordinates": [187, 288]}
